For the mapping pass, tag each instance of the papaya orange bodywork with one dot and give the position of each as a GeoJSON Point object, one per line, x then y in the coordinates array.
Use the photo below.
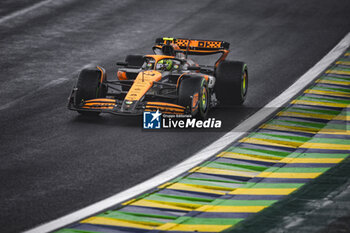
{"type": "Point", "coordinates": [102, 103]}
{"type": "Point", "coordinates": [122, 75]}
{"type": "Point", "coordinates": [142, 84]}
{"type": "Point", "coordinates": [165, 107]}
{"type": "Point", "coordinates": [178, 80]}
{"type": "Point", "coordinates": [158, 57]}
{"type": "Point", "coordinates": [195, 100]}
{"type": "Point", "coordinates": [166, 104]}
{"type": "Point", "coordinates": [102, 74]}
{"type": "Point", "coordinates": [223, 57]}
{"type": "Point", "coordinates": [97, 107]}
{"type": "Point", "coordinates": [101, 100]}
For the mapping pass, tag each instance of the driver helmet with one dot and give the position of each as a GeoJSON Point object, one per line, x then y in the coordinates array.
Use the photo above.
{"type": "Point", "coordinates": [167, 64]}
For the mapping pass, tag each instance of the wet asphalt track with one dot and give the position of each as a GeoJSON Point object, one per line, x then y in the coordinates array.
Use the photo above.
{"type": "Point", "coordinates": [54, 162]}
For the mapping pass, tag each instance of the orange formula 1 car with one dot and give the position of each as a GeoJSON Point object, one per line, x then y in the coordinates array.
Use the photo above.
{"type": "Point", "coordinates": [167, 81]}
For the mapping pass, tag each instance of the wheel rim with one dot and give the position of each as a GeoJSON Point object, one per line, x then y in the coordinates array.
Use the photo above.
{"type": "Point", "coordinates": [204, 99]}
{"type": "Point", "coordinates": [244, 84]}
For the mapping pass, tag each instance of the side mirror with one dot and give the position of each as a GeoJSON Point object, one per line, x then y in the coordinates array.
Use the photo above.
{"type": "Point", "coordinates": [121, 63]}
{"type": "Point", "coordinates": [193, 68]}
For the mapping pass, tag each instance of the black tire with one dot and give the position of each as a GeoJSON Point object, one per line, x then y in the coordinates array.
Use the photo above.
{"type": "Point", "coordinates": [231, 85]}
{"type": "Point", "coordinates": [89, 86]}
{"type": "Point", "coordinates": [188, 88]}
{"type": "Point", "coordinates": [134, 60]}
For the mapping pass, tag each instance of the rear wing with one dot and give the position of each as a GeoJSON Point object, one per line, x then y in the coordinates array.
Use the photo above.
{"type": "Point", "coordinates": [194, 46]}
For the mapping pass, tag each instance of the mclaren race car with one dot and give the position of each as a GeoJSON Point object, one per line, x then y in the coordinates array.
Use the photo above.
{"type": "Point", "coordinates": [168, 81]}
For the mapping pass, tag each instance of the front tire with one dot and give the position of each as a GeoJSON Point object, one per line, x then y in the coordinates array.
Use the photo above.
{"type": "Point", "coordinates": [231, 86]}
{"type": "Point", "coordinates": [193, 93]}
{"type": "Point", "coordinates": [90, 86]}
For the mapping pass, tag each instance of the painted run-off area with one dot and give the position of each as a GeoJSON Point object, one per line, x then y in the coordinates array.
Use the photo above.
{"type": "Point", "coordinates": [299, 144]}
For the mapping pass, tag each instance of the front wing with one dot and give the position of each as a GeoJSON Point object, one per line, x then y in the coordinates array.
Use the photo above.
{"type": "Point", "coordinates": [114, 106]}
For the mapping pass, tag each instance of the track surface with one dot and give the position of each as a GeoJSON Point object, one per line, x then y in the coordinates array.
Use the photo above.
{"type": "Point", "coordinates": [54, 162]}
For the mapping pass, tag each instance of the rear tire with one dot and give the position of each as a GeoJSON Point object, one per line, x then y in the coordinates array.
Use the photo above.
{"type": "Point", "coordinates": [88, 87]}
{"type": "Point", "coordinates": [188, 90]}
{"type": "Point", "coordinates": [231, 85]}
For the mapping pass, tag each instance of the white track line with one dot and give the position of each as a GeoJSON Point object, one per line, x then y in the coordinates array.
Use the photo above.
{"type": "Point", "coordinates": [205, 153]}
{"type": "Point", "coordinates": [24, 11]}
